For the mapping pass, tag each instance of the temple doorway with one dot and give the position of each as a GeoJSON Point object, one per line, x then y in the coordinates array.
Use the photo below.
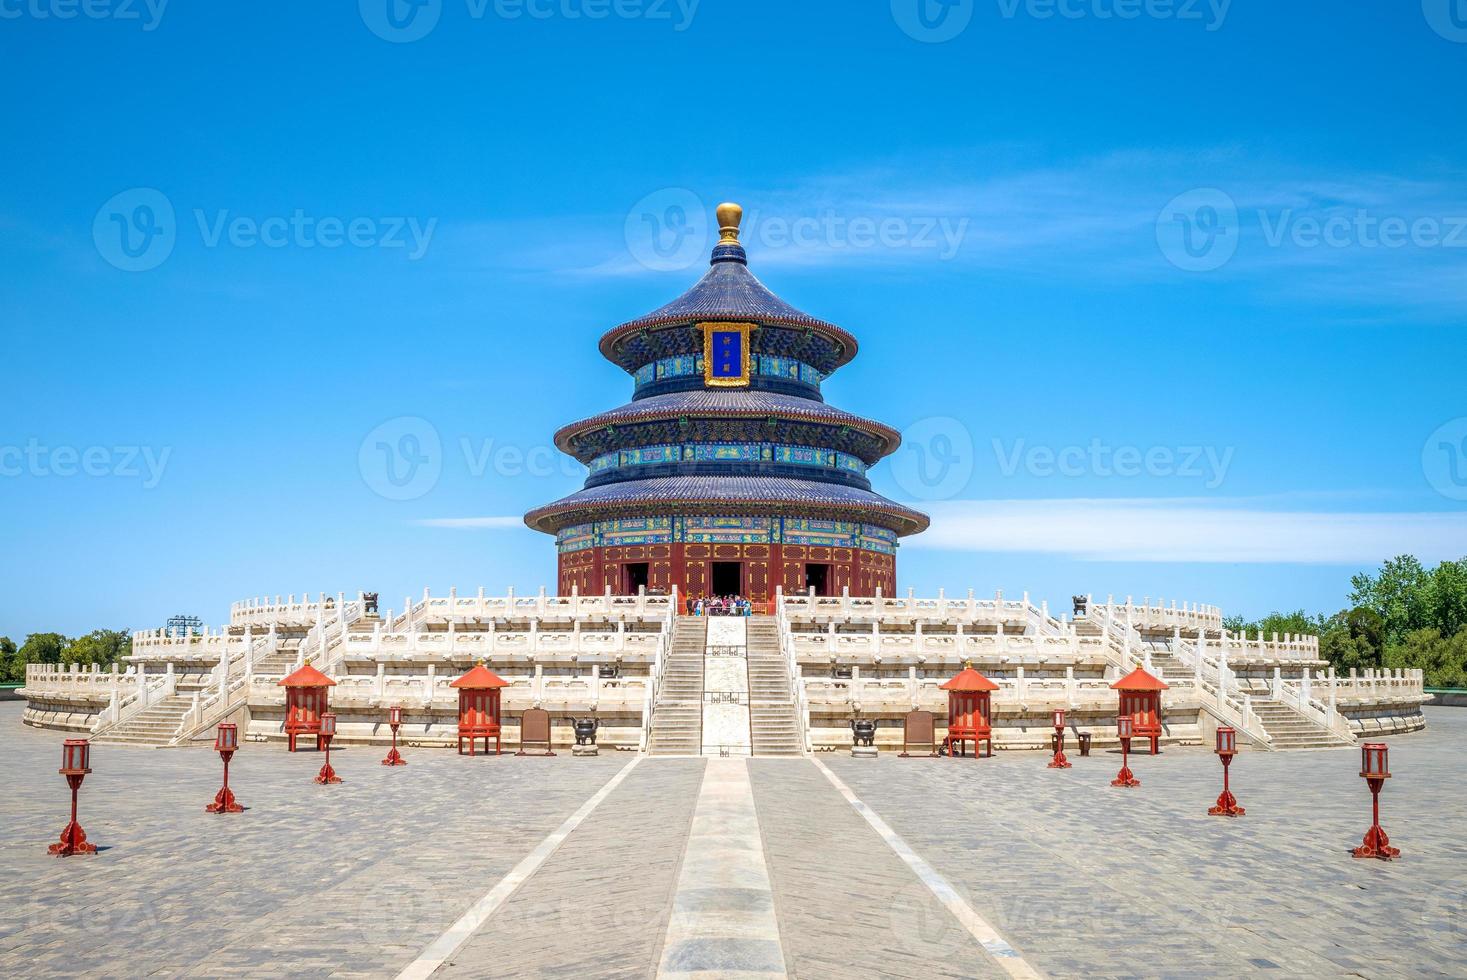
{"type": "Point", "coordinates": [728, 578]}
{"type": "Point", "coordinates": [817, 577]}
{"type": "Point", "coordinates": [636, 577]}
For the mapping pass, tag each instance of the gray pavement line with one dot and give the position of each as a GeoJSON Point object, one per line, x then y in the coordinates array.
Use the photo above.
{"type": "Point", "coordinates": [980, 928]}
{"type": "Point", "coordinates": [439, 950]}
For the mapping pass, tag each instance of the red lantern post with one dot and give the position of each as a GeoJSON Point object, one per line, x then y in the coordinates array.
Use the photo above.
{"type": "Point", "coordinates": [328, 732]}
{"type": "Point", "coordinates": [1227, 747]}
{"type": "Point", "coordinates": [1375, 769]}
{"type": "Point", "coordinates": [226, 743]}
{"type": "Point", "coordinates": [76, 754]}
{"type": "Point", "coordinates": [306, 701]}
{"type": "Point", "coordinates": [478, 707]}
{"type": "Point", "coordinates": [394, 721]}
{"type": "Point", "coordinates": [969, 711]}
{"type": "Point", "coordinates": [1125, 729]}
{"type": "Point", "coordinates": [1059, 761]}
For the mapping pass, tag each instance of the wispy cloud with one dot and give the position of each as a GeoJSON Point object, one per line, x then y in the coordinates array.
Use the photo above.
{"type": "Point", "coordinates": [474, 523]}
{"type": "Point", "coordinates": [1190, 530]}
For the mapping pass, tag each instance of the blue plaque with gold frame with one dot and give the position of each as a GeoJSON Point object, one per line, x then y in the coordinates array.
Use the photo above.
{"type": "Point", "coordinates": [726, 354]}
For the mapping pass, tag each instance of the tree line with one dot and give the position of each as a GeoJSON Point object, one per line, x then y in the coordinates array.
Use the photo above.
{"type": "Point", "coordinates": [1403, 615]}
{"type": "Point", "coordinates": [104, 647]}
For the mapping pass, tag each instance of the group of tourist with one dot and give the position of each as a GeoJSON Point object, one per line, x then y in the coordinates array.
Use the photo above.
{"type": "Point", "coordinates": [720, 605]}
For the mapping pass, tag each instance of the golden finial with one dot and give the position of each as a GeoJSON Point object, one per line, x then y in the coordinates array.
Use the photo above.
{"type": "Point", "coordinates": [729, 216]}
{"type": "Point", "coordinates": [967, 664]}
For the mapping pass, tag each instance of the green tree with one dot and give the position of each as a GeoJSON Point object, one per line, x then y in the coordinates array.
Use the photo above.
{"type": "Point", "coordinates": [1352, 639]}
{"type": "Point", "coordinates": [7, 658]}
{"type": "Point", "coordinates": [102, 647]}
{"type": "Point", "coordinates": [1443, 660]}
{"type": "Point", "coordinates": [1398, 595]}
{"type": "Point", "coordinates": [38, 648]}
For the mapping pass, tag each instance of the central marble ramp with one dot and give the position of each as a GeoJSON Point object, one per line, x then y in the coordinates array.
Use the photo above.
{"type": "Point", "coordinates": [599, 906]}
{"type": "Point", "coordinates": [726, 688]}
{"type": "Point", "coordinates": [723, 920]}
{"type": "Point", "coordinates": [848, 906]}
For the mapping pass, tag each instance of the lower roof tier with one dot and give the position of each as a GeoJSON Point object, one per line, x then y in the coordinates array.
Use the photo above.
{"type": "Point", "coordinates": [741, 494]}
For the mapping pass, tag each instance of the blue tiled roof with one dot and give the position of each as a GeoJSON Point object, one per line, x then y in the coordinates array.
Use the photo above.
{"type": "Point", "coordinates": [762, 492]}
{"type": "Point", "coordinates": [730, 291]}
{"type": "Point", "coordinates": [727, 402]}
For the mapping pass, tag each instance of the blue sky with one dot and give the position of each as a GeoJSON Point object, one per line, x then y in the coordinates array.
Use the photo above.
{"type": "Point", "coordinates": [1167, 296]}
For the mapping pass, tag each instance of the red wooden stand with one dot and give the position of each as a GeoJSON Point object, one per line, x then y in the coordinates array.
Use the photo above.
{"type": "Point", "coordinates": [1059, 761]}
{"type": "Point", "coordinates": [1227, 804]}
{"type": "Point", "coordinates": [224, 801]}
{"type": "Point", "coordinates": [394, 758]}
{"type": "Point", "coordinates": [969, 712]}
{"type": "Point", "coordinates": [328, 732]}
{"type": "Point", "coordinates": [1125, 777]}
{"type": "Point", "coordinates": [1375, 769]}
{"type": "Point", "coordinates": [73, 838]}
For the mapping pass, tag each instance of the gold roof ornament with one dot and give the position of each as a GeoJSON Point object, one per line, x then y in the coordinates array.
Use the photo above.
{"type": "Point", "coordinates": [729, 216]}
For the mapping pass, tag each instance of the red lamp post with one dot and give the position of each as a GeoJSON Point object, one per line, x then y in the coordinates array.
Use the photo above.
{"type": "Point", "coordinates": [226, 743]}
{"type": "Point", "coordinates": [76, 754]}
{"type": "Point", "coordinates": [328, 732]}
{"type": "Point", "coordinates": [1124, 728]}
{"type": "Point", "coordinates": [1059, 761]}
{"type": "Point", "coordinates": [1227, 747]}
{"type": "Point", "coordinates": [394, 721]}
{"type": "Point", "coordinates": [1375, 769]}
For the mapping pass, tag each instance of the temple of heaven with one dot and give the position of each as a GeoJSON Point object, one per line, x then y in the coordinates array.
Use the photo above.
{"type": "Point", "coordinates": [727, 473]}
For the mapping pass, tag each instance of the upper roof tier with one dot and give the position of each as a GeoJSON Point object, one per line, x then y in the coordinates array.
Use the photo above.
{"type": "Point", "coordinates": [729, 291]}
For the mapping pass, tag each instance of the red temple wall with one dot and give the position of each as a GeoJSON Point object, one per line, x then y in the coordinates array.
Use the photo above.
{"type": "Point", "coordinates": [765, 566]}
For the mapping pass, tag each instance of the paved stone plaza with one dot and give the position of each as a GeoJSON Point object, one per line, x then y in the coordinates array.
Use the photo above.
{"type": "Point", "coordinates": [690, 865]}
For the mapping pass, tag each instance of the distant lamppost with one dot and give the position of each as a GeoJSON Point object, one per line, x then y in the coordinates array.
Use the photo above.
{"type": "Point", "coordinates": [1227, 747]}
{"type": "Point", "coordinates": [76, 754]}
{"type": "Point", "coordinates": [394, 721]}
{"type": "Point", "coordinates": [1375, 770]}
{"type": "Point", "coordinates": [328, 732]}
{"type": "Point", "coordinates": [226, 743]}
{"type": "Point", "coordinates": [1059, 761]}
{"type": "Point", "coordinates": [1125, 777]}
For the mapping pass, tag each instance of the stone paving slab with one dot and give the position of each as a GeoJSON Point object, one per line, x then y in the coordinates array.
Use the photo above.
{"type": "Point", "coordinates": [847, 904]}
{"type": "Point", "coordinates": [1092, 880]}
{"type": "Point", "coordinates": [348, 879]}
{"type": "Point", "coordinates": [599, 906]}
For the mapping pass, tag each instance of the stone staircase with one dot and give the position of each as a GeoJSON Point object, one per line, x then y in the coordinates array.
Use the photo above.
{"type": "Point", "coordinates": [774, 726]}
{"type": "Point", "coordinates": [281, 662]}
{"type": "Point", "coordinates": [677, 717]}
{"type": "Point", "coordinates": [1290, 730]}
{"type": "Point", "coordinates": [154, 725]}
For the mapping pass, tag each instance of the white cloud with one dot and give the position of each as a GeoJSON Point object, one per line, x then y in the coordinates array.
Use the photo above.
{"type": "Point", "coordinates": [1184, 530]}
{"type": "Point", "coordinates": [477, 523]}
